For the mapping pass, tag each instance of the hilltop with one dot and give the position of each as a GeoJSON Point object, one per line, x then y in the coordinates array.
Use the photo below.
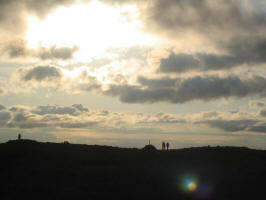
{"type": "Point", "coordinates": [72, 171]}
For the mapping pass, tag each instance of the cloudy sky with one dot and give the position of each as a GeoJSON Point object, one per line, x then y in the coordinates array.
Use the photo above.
{"type": "Point", "coordinates": [123, 72]}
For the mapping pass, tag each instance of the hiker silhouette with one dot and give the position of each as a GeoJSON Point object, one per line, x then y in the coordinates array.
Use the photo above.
{"type": "Point", "coordinates": [163, 146]}
{"type": "Point", "coordinates": [167, 146]}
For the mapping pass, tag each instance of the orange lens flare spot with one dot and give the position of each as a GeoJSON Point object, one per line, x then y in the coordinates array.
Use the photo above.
{"type": "Point", "coordinates": [189, 184]}
{"type": "Point", "coordinates": [192, 187]}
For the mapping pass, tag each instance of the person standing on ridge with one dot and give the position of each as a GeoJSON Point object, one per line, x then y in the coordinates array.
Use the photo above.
{"type": "Point", "coordinates": [167, 146]}
{"type": "Point", "coordinates": [163, 146]}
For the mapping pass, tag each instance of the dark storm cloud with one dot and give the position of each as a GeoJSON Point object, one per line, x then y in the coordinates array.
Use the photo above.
{"type": "Point", "coordinates": [249, 51]}
{"type": "Point", "coordinates": [158, 83]}
{"type": "Point", "coordinates": [204, 16]}
{"type": "Point", "coordinates": [181, 91]}
{"type": "Point", "coordinates": [231, 125]}
{"type": "Point", "coordinates": [135, 94]}
{"type": "Point", "coordinates": [178, 63]}
{"type": "Point", "coordinates": [259, 128]}
{"type": "Point", "coordinates": [39, 73]}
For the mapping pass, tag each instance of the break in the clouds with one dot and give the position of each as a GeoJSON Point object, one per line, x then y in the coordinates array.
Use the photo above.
{"type": "Point", "coordinates": [204, 16]}
{"type": "Point", "coordinates": [14, 12]}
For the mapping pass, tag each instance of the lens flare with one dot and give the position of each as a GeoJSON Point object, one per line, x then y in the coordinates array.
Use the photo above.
{"type": "Point", "coordinates": [192, 186]}
{"type": "Point", "coordinates": [189, 184]}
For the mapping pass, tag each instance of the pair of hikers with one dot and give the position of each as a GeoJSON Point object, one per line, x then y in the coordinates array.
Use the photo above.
{"type": "Point", "coordinates": [165, 146]}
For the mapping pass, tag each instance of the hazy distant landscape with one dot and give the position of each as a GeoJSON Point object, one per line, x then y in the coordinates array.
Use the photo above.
{"type": "Point", "coordinates": [31, 169]}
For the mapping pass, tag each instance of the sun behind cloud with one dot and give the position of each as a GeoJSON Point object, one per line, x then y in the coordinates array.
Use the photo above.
{"type": "Point", "coordinates": [93, 27]}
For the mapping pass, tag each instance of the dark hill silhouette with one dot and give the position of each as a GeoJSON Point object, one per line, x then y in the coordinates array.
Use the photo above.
{"type": "Point", "coordinates": [34, 170]}
{"type": "Point", "coordinates": [149, 147]}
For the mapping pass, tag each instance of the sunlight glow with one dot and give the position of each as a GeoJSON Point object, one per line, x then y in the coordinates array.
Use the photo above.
{"type": "Point", "coordinates": [94, 28]}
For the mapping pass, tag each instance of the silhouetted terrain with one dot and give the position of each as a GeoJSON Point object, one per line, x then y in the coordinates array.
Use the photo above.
{"type": "Point", "coordinates": [36, 170]}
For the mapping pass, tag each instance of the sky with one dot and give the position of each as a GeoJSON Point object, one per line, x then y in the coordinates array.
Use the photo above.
{"type": "Point", "coordinates": [121, 73]}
